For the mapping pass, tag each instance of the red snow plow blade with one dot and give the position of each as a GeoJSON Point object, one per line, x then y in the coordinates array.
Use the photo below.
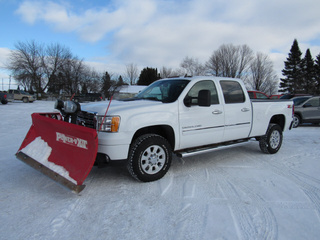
{"type": "Point", "coordinates": [63, 151]}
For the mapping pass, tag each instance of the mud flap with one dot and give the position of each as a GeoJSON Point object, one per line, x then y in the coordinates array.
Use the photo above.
{"type": "Point", "coordinates": [63, 151]}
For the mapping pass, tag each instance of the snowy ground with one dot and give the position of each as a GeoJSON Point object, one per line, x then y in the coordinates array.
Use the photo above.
{"type": "Point", "coordinates": [238, 193]}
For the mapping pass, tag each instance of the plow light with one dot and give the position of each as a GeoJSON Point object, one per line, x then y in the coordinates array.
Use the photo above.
{"type": "Point", "coordinates": [67, 106]}
{"type": "Point", "coordinates": [71, 107]}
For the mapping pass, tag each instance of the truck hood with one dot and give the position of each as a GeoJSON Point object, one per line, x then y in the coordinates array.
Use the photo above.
{"type": "Point", "coordinates": [118, 106]}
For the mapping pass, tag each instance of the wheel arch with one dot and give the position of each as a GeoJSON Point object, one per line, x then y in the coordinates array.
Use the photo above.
{"type": "Point", "coordinates": [278, 119]}
{"type": "Point", "coordinates": [165, 131]}
{"type": "Point", "coordinates": [298, 114]}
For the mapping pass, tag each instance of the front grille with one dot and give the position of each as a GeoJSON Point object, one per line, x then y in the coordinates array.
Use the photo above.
{"type": "Point", "coordinates": [87, 119]}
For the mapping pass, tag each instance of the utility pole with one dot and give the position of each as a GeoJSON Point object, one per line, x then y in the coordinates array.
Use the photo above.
{"type": "Point", "coordinates": [9, 81]}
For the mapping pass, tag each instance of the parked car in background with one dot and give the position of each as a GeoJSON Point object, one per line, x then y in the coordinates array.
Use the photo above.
{"type": "Point", "coordinates": [89, 97]}
{"type": "Point", "coordinates": [20, 95]}
{"type": "Point", "coordinates": [3, 97]}
{"type": "Point", "coordinates": [276, 96]}
{"type": "Point", "coordinates": [306, 110]}
{"type": "Point", "coordinates": [257, 95]}
{"type": "Point", "coordinates": [291, 95]}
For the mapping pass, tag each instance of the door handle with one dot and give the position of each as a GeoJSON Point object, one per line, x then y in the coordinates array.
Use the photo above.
{"type": "Point", "coordinates": [216, 112]}
{"type": "Point", "coordinates": [245, 109]}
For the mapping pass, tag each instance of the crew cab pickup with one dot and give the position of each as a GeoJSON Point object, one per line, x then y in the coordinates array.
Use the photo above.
{"type": "Point", "coordinates": [184, 116]}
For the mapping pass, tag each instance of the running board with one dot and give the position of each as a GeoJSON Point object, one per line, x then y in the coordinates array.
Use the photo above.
{"type": "Point", "coordinates": [210, 148]}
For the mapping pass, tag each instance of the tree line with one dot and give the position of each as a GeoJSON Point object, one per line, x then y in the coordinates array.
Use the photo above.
{"type": "Point", "coordinates": [54, 69]}
{"type": "Point", "coordinates": [301, 75]}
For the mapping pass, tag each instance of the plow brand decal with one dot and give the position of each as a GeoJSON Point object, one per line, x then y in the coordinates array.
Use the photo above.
{"type": "Point", "coordinates": [74, 141]}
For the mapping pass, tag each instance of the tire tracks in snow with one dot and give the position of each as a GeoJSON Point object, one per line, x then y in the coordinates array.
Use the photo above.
{"type": "Point", "coordinates": [252, 221]}
{"type": "Point", "coordinates": [73, 211]}
{"type": "Point", "coordinates": [302, 180]}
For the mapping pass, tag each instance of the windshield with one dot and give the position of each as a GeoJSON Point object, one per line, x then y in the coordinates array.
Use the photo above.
{"type": "Point", "coordinates": [166, 91]}
{"type": "Point", "coordinates": [23, 92]}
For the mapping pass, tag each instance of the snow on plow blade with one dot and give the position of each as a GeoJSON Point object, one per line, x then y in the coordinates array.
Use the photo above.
{"type": "Point", "coordinates": [63, 151]}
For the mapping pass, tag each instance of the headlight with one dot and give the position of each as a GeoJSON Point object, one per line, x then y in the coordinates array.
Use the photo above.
{"type": "Point", "coordinates": [110, 124]}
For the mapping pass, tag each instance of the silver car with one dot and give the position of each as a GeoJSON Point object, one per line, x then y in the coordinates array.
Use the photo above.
{"type": "Point", "coordinates": [306, 110]}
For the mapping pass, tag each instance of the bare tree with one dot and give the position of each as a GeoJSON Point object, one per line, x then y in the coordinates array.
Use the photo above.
{"type": "Point", "coordinates": [38, 68]}
{"type": "Point", "coordinates": [230, 61]}
{"type": "Point", "coordinates": [262, 76]}
{"type": "Point", "coordinates": [193, 67]}
{"type": "Point", "coordinates": [132, 73]}
{"type": "Point", "coordinates": [56, 57]}
{"type": "Point", "coordinates": [92, 80]}
{"type": "Point", "coordinates": [166, 72]}
{"type": "Point", "coordinates": [26, 65]}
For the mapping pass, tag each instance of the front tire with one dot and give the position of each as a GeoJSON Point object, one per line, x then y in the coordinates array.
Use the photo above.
{"type": "Point", "coordinates": [271, 142]}
{"type": "Point", "coordinates": [149, 158]}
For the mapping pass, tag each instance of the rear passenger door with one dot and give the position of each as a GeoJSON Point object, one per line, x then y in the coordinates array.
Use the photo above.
{"type": "Point", "coordinates": [237, 110]}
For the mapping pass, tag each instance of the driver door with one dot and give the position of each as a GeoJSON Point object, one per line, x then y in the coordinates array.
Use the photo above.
{"type": "Point", "coordinates": [201, 126]}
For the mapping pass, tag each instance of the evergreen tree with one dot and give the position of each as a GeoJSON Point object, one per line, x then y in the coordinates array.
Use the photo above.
{"type": "Point", "coordinates": [317, 75]}
{"type": "Point", "coordinates": [84, 88]}
{"type": "Point", "coordinates": [148, 76]}
{"type": "Point", "coordinates": [292, 70]}
{"type": "Point", "coordinates": [106, 85]}
{"type": "Point", "coordinates": [308, 74]}
{"type": "Point", "coordinates": [120, 81]}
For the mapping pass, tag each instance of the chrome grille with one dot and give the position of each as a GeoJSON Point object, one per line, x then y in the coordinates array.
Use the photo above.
{"type": "Point", "coordinates": [87, 119]}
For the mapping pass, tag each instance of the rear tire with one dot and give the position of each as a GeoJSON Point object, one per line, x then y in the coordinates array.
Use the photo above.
{"type": "Point", "coordinates": [272, 141]}
{"type": "Point", "coordinates": [149, 158]}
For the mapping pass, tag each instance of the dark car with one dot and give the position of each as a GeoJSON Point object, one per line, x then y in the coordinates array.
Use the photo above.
{"type": "Point", "coordinates": [306, 110]}
{"type": "Point", "coordinates": [3, 97]}
{"type": "Point", "coordinates": [291, 95]}
{"type": "Point", "coordinates": [89, 97]}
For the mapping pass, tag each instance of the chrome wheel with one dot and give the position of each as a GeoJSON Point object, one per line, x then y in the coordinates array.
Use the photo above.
{"type": "Point", "coordinates": [153, 159]}
{"type": "Point", "coordinates": [275, 139]}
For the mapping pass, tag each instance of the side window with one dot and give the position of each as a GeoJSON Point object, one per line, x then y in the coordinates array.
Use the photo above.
{"type": "Point", "coordinates": [232, 92]}
{"type": "Point", "coordinates": [261, 96]}
{"type": "Point", "coordinates": [314, 102]}
{"type": "Point", "coordinates": [251, 95]}
{"type": "Point", "coordinates": [203, 85]}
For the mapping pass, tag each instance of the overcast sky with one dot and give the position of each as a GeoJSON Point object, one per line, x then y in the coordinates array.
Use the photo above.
{"type": "Point", "coordinates": [155, 33]}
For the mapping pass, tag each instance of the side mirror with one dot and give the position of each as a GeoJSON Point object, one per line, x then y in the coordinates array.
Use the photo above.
{"type": "Point", "coordinates": [187, 101]}
{"type": "Point", "coordinates": [204, 98]}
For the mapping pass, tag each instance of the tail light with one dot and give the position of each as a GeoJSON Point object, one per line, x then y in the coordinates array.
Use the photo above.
{"type": "Point", "coordinates": [292, 107]}
{"type": "Point", "coordinates": [292, 110]}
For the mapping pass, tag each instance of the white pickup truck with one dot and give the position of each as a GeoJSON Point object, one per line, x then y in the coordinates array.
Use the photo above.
{"type": "Point", "coordinates": [185, 116]}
